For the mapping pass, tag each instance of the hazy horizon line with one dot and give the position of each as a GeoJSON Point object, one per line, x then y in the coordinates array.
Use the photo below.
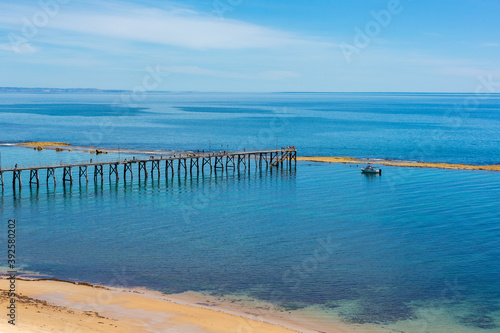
{"type": "Point", "coordinates": [117, 90]}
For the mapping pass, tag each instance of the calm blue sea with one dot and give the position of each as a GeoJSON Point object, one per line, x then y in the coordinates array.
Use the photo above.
{"type": "Point", "coordinates": [457, 128]}
{"type": "Point", "coordinates": [414, 250]}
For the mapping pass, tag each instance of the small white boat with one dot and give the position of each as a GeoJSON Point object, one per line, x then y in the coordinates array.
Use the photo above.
{"type": "Point", "coordinates": [371, 170]}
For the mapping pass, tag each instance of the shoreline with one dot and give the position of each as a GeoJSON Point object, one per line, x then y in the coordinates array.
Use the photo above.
{"type": "Point", "coordinates": [45, 305]}
{"type": "Point", "coordinates": [352, 160]}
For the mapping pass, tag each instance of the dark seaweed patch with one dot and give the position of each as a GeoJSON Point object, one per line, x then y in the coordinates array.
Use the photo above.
{"type": "Point", "coordinates": [373, 313]}
{"type": "Point", "coordinates": [292, 307]}
{"type": "Point", "coordinates": [478, 321]}
{"type": "Point", "coordinates": [207, 109]}
{"type": "Point", "coordinates": [82, 110]}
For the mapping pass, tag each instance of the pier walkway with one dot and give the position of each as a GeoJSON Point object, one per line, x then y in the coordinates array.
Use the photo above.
{"type": "Point", "coordinates": [192, 162]}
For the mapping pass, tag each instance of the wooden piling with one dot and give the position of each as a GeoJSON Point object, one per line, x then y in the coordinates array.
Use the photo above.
{"type": "Point", "coordinates": [218, 163]}
{"type": "Point", "coordinates": [242, 160]}
{"type": "Point", "coordinates": [17, 175]}
{"type": "Point", "coordinates": [113, 169]}
{"type": "Point", "coordinates": [34, 177]}
{"type": "Point", "coordinates": [127, 167]}
{"type": "Point", "coordinates": [50, 173]}
{"type": "Point", "coordinates": [97, 172]}
{"type": "Point", "coordinates": [206, 160]}
{"type": "Point", "coordinates": [155, 164]}
{"type": "Point", "coordinates": [82, 172]}
{"type": "Point", "coordinates": [194, 163]}
{"type": "Point", "coordinates": [67, 176]}
{"type": "Point", "coordinates": [142, 166]}
{"type": "Point", "coordinates": [169, 164]}
{"type": "Point", "coordinates": [230, 162]}
{"type": "Point", "coordinates": [181, 163]}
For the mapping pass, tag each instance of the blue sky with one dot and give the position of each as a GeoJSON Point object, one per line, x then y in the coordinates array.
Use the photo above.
{"type": "Point", "coordinates": [251, 45]}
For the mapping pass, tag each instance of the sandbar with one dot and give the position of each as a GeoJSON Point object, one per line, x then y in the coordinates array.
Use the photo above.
{"type": "Point", "coordinates": [328, 159]}
{"type": "Point", "coordinates": [43, 144]}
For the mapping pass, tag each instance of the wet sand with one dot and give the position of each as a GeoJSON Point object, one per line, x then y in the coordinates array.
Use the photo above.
{"type": "Point", "coordinates": [60, 306]}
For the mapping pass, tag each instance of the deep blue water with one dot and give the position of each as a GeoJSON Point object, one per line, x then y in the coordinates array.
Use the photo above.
{"type": "Point", "coordinates": [424, 127]}
{"type": "Point", "coordinates": [412, 246]}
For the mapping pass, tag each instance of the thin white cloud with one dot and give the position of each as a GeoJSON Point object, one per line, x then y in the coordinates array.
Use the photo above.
{"type": "Point", "coordinates": [176, 28]}
{"type": "Point", "coordinates": [490, 44]}
{"type": "Point", "coordinates": [279, 75]}
{"type": "Point", "coordinates": [431, 34]}
{"type": "Point", "coordinates": [174, 25]}
{"type": "Point", "coordinates": [195, 70]}
{"type": "Point", "coordinates": [467, 71]}
{"type": "Point", "coordinates": [20, 48]}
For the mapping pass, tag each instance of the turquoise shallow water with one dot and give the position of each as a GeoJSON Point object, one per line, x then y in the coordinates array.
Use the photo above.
{"type": "Point", "coordinates": [401, 251]}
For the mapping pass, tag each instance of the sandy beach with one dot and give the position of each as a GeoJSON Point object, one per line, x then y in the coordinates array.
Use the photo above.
{"type": "Point", "coordinates": [327, 159]}
{"type": "Point", "coordinates": [59, 306]}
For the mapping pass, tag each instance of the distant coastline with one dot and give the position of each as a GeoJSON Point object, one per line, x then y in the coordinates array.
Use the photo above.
{"type": "Point", "coordinates": [58, 90]}
{"type": "Point", "coordinates": [42, 90]}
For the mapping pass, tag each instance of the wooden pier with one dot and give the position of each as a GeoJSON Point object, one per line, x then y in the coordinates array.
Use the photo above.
{"type": "Point", "coordinates": [188, 163]}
